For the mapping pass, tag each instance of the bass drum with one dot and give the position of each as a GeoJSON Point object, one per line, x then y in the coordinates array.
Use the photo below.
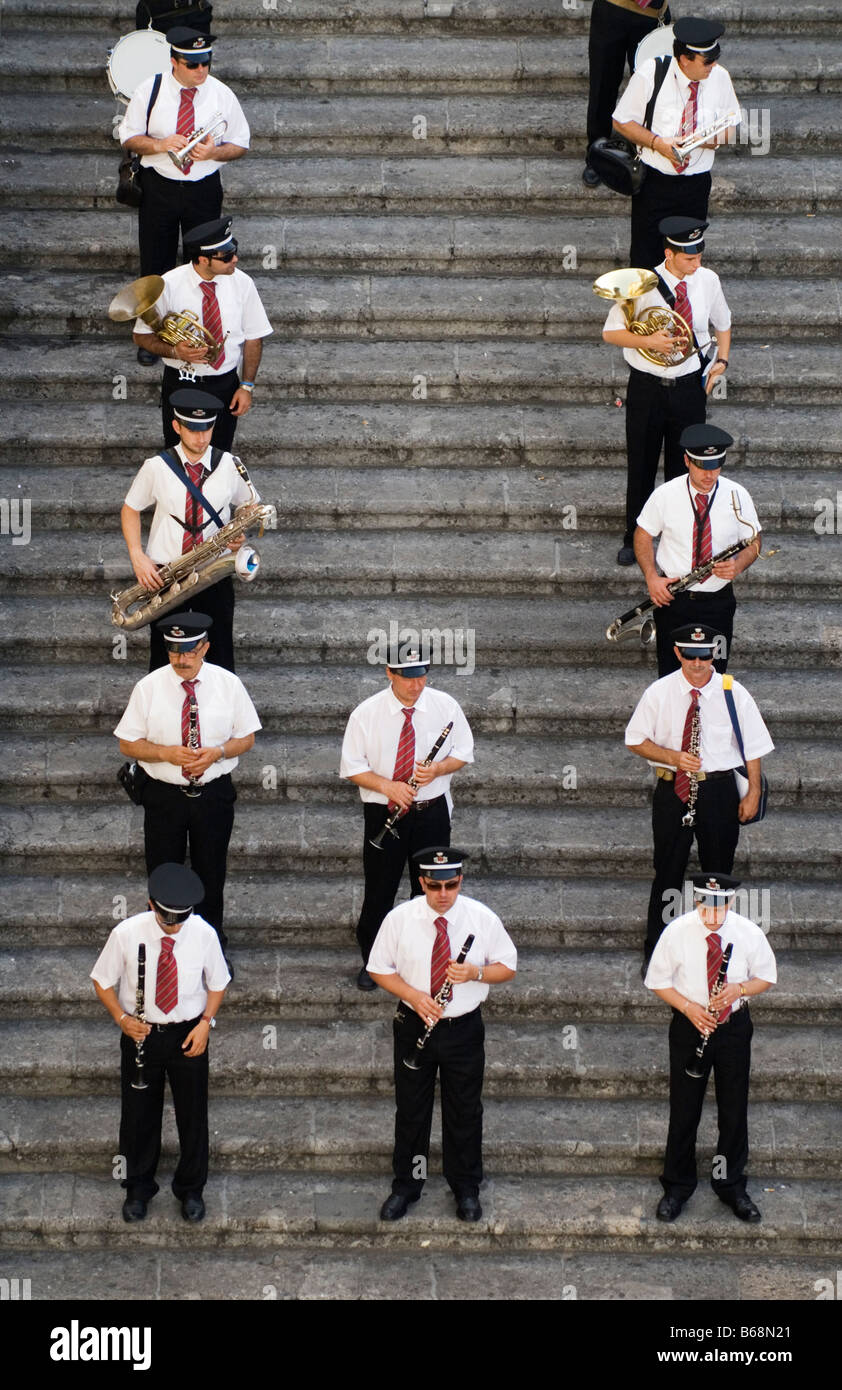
{"type": "Point", "coordinates": [655, 45]}
{"type": "Point", "coordinates": [133, 59]}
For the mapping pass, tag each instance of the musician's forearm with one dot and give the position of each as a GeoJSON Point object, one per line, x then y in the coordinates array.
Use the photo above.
{"type": "Point", "coordinates": [723, 343]}
{"type": "Point", "coordinates": [446, 766]}
{"type": "Point", "coordinates": [252, 353]}
{"type": "Point", "coordinates": [130, 526]}
{"type": "Point", "coordinates": [143, 751]}
{"type": "Point", "coordinates": [636, 133]}
{"type": "Point", "coordinates": [226, 152]}
{"type": "Point", "coordinates": [372, 781]}
{"type": "Point", "coordinates": [674, 999]}
{"type": "Point", "coordinates": [397, 985]}
{"type": "Point", "coordinates": [653, 752]}
{"type": "Point", "coordinates": [644, 553]}
{"type": "Point", "coordinates": [108, 999]}
{"type": "Point", "coordinates": [747, 557]}
{"type": "Point", "coordinates": [753, 772]}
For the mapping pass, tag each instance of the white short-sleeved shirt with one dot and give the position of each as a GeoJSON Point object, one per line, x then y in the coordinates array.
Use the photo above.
{"type": "Point", "coordinates": [154, 713]}
{"type": "Point", "coordinates": [197, 954]}
{"type": "Point", "coordinates": [212, 96]}
{"type": "Point", "coordinates": [156, 485]}
{"type": "Point", "coordinates": [242, 314]}
{"type": "Point", "coordinates": [669, 513]}
{"type": "Point", "coordinates": [374, 729]}
{"type": "Point", "coordinates": [679, 960]}
{"type": "Point", "coordinates": [715, 97]}
{"type": "Point", "coordinates": [404, 946]}
{"type": "Point", "coordinates": [662, 711]}
{"type": "Point", "coordinates": [707, 305]}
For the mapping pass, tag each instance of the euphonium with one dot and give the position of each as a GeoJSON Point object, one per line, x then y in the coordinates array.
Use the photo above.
{"type": "Point", "coordinates": [137, 301]}
{"type": "Point", "coordinates": [197, 569]}
{"type": "Point", "coordinates": [625, 286]}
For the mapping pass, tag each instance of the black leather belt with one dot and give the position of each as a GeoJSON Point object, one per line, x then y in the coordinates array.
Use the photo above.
{"type": "Point", "coordinates": [424, 805]}
{"type": "Point", "coordinates": [694, 594]}
{"type": "Point", "coordinates": [163, 1027]}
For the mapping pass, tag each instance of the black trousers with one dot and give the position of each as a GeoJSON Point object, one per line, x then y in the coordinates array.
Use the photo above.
{"type": "Point", "coordinates": [728, 1055]}
{"type": "Point", "coordinates": [695, 606]}
{"type": "Point", "coordinates": [663, 195]}
{"type": "Point", "coordinates": [612, 40]}
{"type": "Point", "coordinates": [223, 387]}
{"type": "Point", "coordinates": [218, 602]}
{"type": "Point", "coordinates": [655, 416]}
{"type": "Point", "coordinates": [383, 868]}
{"type": "Point", "coordinates": [142, 1112]}
{"type": "Point", "coordinates": [717, 831]}
{"type": "Point", "coordinates": [455, 1049]}
{"type": "Point", "coordinates": [167, 207]}
{"type": "Point", "coordinates": [172, 820]}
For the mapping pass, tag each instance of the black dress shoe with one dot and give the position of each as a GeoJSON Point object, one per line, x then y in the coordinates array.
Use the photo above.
{"type": "Point", "coordinates": [468, 1208]}
{"type": "Point", "coordinates": [668, 1208]}
{"type": "Point", "coordinates": [146, 359]}
{"type": "Point", "coordinates": [744, 1209]}
{"type": "Point", "coordinates": [192, 1208]}
{"type": "Point", "coordinates": [395, 1206]}
{"type": "Point", "coordinates": [625, 555]}
{"type": "Point", "coordinates": [364, 981]}
{"type": "Point", "coordinates": [134, 1209]}
{"type": "Point", "coordinates": [590, 178]}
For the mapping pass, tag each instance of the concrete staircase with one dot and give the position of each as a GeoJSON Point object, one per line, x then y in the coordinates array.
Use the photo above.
{"type": "Point", "coordinates": [433, 409]}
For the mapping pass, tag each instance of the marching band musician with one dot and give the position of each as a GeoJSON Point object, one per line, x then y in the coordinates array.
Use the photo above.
{"type": "Point", "coordinates": [180, 523]}
{"type": "Point", "coordinates": [414, 953]}
{"type": "Point", "coordinates": [696, 92]}
{"type": "Point", "coordinates": [187, 100]}
{"type": "Point", "coordinates": [386, 740]}
{"type": "Point", "coordinates": [227, 305]}
{"type": "Point", "coordinates": [683, 972]}
{"type": "Point", "coordinates": [186, 978]}
{"type": "Point", "coordinates": [187, 724]}
{"type": "Point", "coordinates": [661, 731]}
{"type": "Point", "coordinates": [694, 520]}
{"type": "Point", "coordinates": [616, 29]}
{"type": "Point", "coordinates": [661, 400]}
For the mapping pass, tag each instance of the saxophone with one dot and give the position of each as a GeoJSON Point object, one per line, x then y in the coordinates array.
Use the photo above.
{"type": "Point", "coordinates": [198, 569]}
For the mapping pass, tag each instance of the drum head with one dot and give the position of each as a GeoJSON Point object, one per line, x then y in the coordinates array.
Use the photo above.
{"type": "Point", "coordinates": [655, 45]}
{"type": "Point", "coordinates": [134, 58]}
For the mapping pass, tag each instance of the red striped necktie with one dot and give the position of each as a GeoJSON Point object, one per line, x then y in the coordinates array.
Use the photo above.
{"type": "Point", "coordinates": [682, 303]}
{"type": "Point", "coordinates": [682, 779]}
{"type": "Point", "coordinates": [166, 983]}
{"type": "Point", "coordinates": [405, 758]}
{"type": "Point", "coordinates": [702, 540]}
{"type": "Point", "coordinates": [184, 123]}
{"type": "Point", "coordinates": [189, 688]}
{"type": "Point", "coordinates": [714, 961]}
{"type": "Point", "coordinates": [441, 956]}
{"type": "Point", "coordinates": [194, 513]}
{"type": "Point", "coordinates": [212, 319]}
{"type": "Point", "coordinates": [688, 119]}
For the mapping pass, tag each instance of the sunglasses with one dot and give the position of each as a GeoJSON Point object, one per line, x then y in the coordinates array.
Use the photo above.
{"type": "Point", "coordinates": [435, 883]}
{"type": "Point", "coordinates": [194, 63]}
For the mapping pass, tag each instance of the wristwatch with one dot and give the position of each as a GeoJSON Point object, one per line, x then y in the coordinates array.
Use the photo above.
{"type": "Point", "coordinates": [479, 974]}
{"type": "Point", "coordinates": [210, 1021]}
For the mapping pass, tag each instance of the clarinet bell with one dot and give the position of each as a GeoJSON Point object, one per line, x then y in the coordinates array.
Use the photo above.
{"type": "Point", "coordinates": [412, 1062]}
{"type": "Point", "coordinates": [695, 1067]}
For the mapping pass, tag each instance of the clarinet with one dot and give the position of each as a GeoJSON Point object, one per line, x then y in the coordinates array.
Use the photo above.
{"type": "Point", "coordinates": [413, 1061]}
{"type": "Point", "coordinates": [689, 817]}
{"type": "Point", "coordinates": [398, 812]}
{"type": "Point", "coordinates": [695, 1068]}
{"type": "Point", "coordinates": [140, 1083]}
{"type": "Point", "coordinates": [192, 788]}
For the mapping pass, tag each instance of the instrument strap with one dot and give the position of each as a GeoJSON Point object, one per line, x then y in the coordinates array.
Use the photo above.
{"type": "Point", "coordinates": [156, 87]}
{"type": "Point", "coordinates": [172, 461]}
{"type": "Point", "coordinates": [667, 295]}
{"type": "Point", "coordinates": [662, 66]}
{"type": "Point", "coordinates": [732, 710]}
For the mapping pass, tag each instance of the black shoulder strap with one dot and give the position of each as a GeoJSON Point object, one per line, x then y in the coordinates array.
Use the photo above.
{"type": "Point", "coordinates": [171, 460]}
{"type": "Point", "coordinates": [153, 97]}
{"type": "Point", "coordinates": [668, 296]}
{"type": "Point", "coordinates": [661, 69]}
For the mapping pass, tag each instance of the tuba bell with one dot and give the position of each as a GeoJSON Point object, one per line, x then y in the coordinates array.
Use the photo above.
{"type": "Point", "coordinates": [137, 301]}
{"type": "Point", "coordinates": [625, 286]}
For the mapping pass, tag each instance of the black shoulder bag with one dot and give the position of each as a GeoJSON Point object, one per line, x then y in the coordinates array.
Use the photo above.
{"type": "Point", "coordinates": [614, 158]}
{"type": "Point", "coordinates": [129, 188]}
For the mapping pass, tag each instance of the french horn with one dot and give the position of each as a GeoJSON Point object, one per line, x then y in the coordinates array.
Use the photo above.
{"type": "Point", "coordinates": [138, 299]}
{"type": "Point", "coordinates": [627, 286]}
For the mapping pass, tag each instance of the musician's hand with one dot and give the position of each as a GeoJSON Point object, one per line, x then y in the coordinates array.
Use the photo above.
{"type": "Point", "coordinates": [241, 402]}
{"type": "Point", "coordinates": [196, 1041]}
{"type": "Point", "coordinates": [721, 998]}
{"type": "Point", "coordinates": [206, 149]}
{"type": "Point", "coordinates": [701, 1018]}
{"type": "Point", "coordinates": [659, 589]}
{"type": "Point", "coordinates": [197, 763]}
{"type": "Point", "coordinates": [717, 370]}
{"type": "Point", "coordinates": [425, 775]}
{"type": "Point", "coordinates": [748, 806]}
{"type": "Point", "coordinates": [170, 142]}
{"type": "Point", "coordinates": [461, 974]}
{"type": "Point", "coordinates": [688, 762]}
{"type": "Point", "coordinates": [178, 754]}
{"type": "Point", "coordinates": [662, 342]}
{"type": "Point", "coordinates": [426, 1007]}
{"type": "Point", "coordinates": [725, 569]}
{"type": "Point", "coordinates": [663, 147]}
{"type": "Point", "coordinates": [188, 354]}
{"type": "Point", "coordinates": [401, 793]}
{"type": "Point", "coordinates": [134, 1029]}
{"type": "Point", "coordinates": [146, 572]}
{"type": "Point", "coordinates": [236, 542]}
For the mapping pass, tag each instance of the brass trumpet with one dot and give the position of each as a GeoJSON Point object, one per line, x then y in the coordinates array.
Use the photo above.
{"type": "Point", "coordinates": [217, 123]}
{"type": "Point", "coordinates": [137, 300]}
{"type": "Point", "coordinates": [681, 148]}
{"type": "Point", "coordinates": [625, 286]}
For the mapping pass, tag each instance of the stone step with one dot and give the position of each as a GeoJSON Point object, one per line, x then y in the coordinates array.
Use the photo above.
{"type": "Point", "coordinates": [427, 184]}
{"type": "Point", "coordinates": [429, 499]}
{"type": "Point", "coordinates": [288, 1210]}
{"type": "Point", "coordinates": [403, 17]}
{"type": "Point", "coordinates": [334, 435]}
{"type": "Point", "coordinates": [592, 842]}
{"type": "Point", "coordinates": [561, 1137]}
{"type": "Point", "coordinates": [519, 771]}
{"type": "Point", "coordinates": [540, 370]}
{"type": "Point", "coordinates": [609, 1062]}
{"type": "Point", "coordinates": [586, 701]}
{"type": "Point", "coordinates": [277, 909]}
{"type": "Point", "coordinates": [559, 245]}
{"type": "Point", "coordinates": [568, 564]}
{"type": "Point", "coordinates": [424, 307]}
{"type": "Point", "coordinates": [65, 123]}
{"type": "Point", "coordinates": [303, 984]}
{"type": "Point", "coordinates": [378, 64]}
